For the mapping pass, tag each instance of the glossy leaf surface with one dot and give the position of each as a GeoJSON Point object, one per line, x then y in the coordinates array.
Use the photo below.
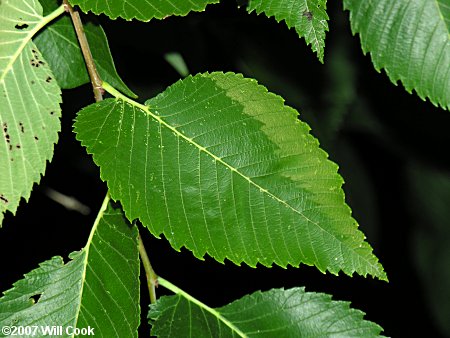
{"type": "Point", "coordinates": [410, 40]}
{"type": "Point", "coordinates": [308, 17]}
{"type": "Point", "coordinates": [29, 104]}
{"type": "Point", "coordinates": [275, 313]}
{"type": "Point", "coordinates": [98, 287]}
{"type": "Point", "coordinates": [219, 165]}
{"type": "Point", "coordinates": [142, 10]}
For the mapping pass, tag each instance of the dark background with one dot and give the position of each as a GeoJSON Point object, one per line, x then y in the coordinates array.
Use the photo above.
{"type": "Point", "coordinates": [390, 145]}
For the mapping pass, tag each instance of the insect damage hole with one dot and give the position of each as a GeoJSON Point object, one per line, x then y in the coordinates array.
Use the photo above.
{"type": "Point", "coordinates": [308, 15]}
{"type": "Point", "coordinates": [35, 298]}
{"type": "Point", "coordinates": [3, 199]}
{"type": "Point", "coordinates": [22, 26]}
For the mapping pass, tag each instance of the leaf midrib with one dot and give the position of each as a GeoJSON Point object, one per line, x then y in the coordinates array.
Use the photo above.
{"type": "Point", "coordinates": [40, 24]}
{"type": "Point", "coordinates": [146, 109]}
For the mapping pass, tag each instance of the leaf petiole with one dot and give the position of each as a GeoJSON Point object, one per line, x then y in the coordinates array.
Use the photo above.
{"type": "Point", "coordinates": [168, 285]}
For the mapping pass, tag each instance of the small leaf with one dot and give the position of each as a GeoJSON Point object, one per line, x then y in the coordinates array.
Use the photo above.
{"type": "Point", "coordinates": [275, 313]}
{"type": "Point", "coordinates": [410, 40]}
{"type": "Point", "coordinates": [98, 287]}
{"type": "Point", "coordinates": [59, 45]}
{"type": "Point", "coordinates": [221, 166]}
{"type": "Point", "coordinates": [177, 62]}
{"type": "Point", "coordinates": [142, 10]}
{"type": "Point", "coordinates": [309, 17]}
{"type": "Point", "coordinates": [29, 104]}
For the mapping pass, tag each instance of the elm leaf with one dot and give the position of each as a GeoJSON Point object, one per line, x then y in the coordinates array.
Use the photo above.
{"type": "Point", "coordinates": [308, 17]}
{"type": "Point", "coordinates": [221, 166]}
{"type": "Point", "coordinates": [274, 313]}
{"type": "Point", "coordinates": [59, 45]}
{"type": "Point", "coordinates": [410, 39]}
{"type": "Point", "coordinates": [98, 287]}
{"type": "Point", "coordinates": [142, 10]}
{"type": "Point", "coordinates": [29, 102]}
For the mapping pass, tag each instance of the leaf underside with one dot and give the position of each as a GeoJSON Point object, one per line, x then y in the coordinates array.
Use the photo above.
{"type": "Point", "coordinates": [142, 10]}
{"type": "Point", "coordinates": [29, 104]}
{"type": "Point", "coordinates": [59, 45]}
{"type": "Point", "coordinates": [219, 165]}
{"type": "Point", "coordinates": [275, 313]}
{"type": "Point", "coordinates": [98, 287]}
{"type": "Point", "coordinates": [308, 17]}
{"type": "Point", "coordinates": [410, 39]}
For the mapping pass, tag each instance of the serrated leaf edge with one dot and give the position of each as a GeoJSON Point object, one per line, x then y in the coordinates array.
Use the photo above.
{"type": "Point", "coordinates": [146, 109]}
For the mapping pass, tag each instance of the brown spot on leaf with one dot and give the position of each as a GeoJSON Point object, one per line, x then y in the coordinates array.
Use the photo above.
{"type": "Point", "coordinates": [36, 138]}
{"type": "Point", "coordinates": [48, 79]}
{"type": "Point", "coordinates": [6, 135]}
{"type": "Point", "coordinates": [18, 146]}
{"type": "Point", "coordinates": [22, 128]}
{"type": "Point", "coordinates": [308, 15]}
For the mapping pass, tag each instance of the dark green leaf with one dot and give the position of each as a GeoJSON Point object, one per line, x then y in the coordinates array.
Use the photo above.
{"type": "Point", "coordinates": [410, 40]}
{"type": "Point", "coordinates": [98, 287]}
{"type": "Point", "coordinates": [29, 103]}
{"type": "Point", "coordinates": [309, 17]}
{"type": "Point", "coordinates": [275, 313]}
{"type": "Point", "coordinates": [142, 10]}
{"type": "Point", "coordinates": [221, 166]}
{"type": "Point", "coordinates": [59, 45]}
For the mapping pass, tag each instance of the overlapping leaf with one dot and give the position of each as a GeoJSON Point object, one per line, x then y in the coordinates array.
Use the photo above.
{"type": "Point", "coordinates": [410, 39]}
{"type": "Point", "coordinates": [309, 17]}
{"type": "Point", "coordinates": [275, 313]}
{"type": "Point", "coordinates": [98, 287]}
{"type": "Point", "coordinates": [29, 104]}
{"type": "Point", "coordinates": [221, 166]}
{"type": "Point", "coordinates": [59, 45]}
{"type": "Point", "coordinates": [142, 10]}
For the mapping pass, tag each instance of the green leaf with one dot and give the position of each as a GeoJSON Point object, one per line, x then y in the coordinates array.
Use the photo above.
{"type": "Point", "coordinates": [177, 62]}
{"type": "Point", "coordinates": [98, 287]}
{"type": "Point", "coordinates": [59, 45]}
{"type": "Point", "coordinates": [309, 17]}
{"type": "Point", "coordinates": [219, 165]}
{"type": "Point", "coordinates": [142, 10]}
{"type": "Point", "coordinates": [29, 103]}
{"type": "Point", "coordinates": [410, 40]}
{"type": "Point", "coordinates": [274, 313]}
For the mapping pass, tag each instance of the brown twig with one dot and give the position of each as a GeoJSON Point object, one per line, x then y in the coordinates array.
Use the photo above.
{"type": "Point", "coordinates": [84, 45]}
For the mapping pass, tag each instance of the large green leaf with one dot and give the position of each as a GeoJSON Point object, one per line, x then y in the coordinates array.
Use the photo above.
{"type": "Point", "coordinates": [309, 17]}
{"type": "Point", "coordinates": [98, 287]}
{"type": "Point", "coordinates": [410, 39]}
{"type": "Point", "coordinates": [142, 10]}
{"type": "Point", "coordinates": [29, 103]}
{"type": "Point", "coordinates": [221, 166]}
{"type": "Point", "coordinates": [275, 313]}
{"type": "Point", "coordinates": [59, 45]}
